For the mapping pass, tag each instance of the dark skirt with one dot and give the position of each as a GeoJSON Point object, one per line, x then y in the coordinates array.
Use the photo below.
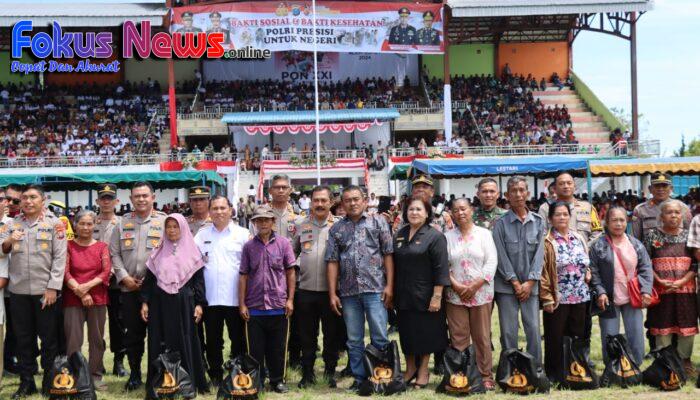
{"type": "Point", "coordinates": [171, 326]}
{"type": "Point", "coordinates": [422, 332]}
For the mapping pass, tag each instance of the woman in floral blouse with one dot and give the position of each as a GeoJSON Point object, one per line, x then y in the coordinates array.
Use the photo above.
{"type": "Point", "coordinates": [674, 277]}
{"type": "Point", "coordinates": [564, 291]}
{"type": "Point", "coordinates": [473, 263]}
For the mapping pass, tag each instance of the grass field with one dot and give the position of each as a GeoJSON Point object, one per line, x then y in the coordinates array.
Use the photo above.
{"type": "Point", "coordinates": [321, 391]}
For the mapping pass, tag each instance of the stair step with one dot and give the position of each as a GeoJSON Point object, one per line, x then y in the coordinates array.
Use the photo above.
{"type": "Point", "coordinates": [554, 92]}
{"type": "Point", "coordinates": [585, 117]}
{"type": "Point", "coordinates": [567, 101]}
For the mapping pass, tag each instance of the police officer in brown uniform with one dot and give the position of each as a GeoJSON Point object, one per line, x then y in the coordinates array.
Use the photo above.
{"type": "Point", "coordinates": [311, 298]}
{"type": "Point", "coordinates": [37, 243]}
{"type": "Point", "coordinates": [199, 204]}
{"type": "Point", "coordinates": [105, 223]}
{"type": "Point", "coordinates": [645, 216]}
{"type": "Point", "coordinates": [584, 218]}
{"type": "Point", "coordinates": [133, 239]}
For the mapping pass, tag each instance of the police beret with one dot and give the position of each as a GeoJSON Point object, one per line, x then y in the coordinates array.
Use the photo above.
{"type": "Point", "coordinates": [428, 15]}
{"type": "Point", "coordinates": [404, 11]}
{"type": "Point", "coordinates": [422, 179]}
{"type": "Point", "coordinates": [199, 192]}
{"type": "Point", "coordinates": [187, 14]}
{"type": "Point", "coordinates": [108, 189]}
{"type": "Point", "coordinates": [661, 179]}
{"type": "Point", "coordinates": [215, 14]}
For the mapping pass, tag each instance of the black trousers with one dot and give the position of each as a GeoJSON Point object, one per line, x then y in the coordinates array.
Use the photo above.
{"type": "Point", "coordinates": [10, 341]}
{"type": "Point", "coordinates": [311, 309]}
{"type": "Point", "coordinates": [566, 320]}
{"type": "Point", "coordinates": [116, 326]}
{"type": "Point", "coordinates": [214, 318]}
{"type": "Point", "coordinates": [29, 321]}
{"type": "Point", "coordinates": [135, 334]}
{"type": "Point", "coordinates": [267, 336]}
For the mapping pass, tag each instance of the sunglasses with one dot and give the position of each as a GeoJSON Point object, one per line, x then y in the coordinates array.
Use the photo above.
{"type": "Point", "coordinates": [10, 199]}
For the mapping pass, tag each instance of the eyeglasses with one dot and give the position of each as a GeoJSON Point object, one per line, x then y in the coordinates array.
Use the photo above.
{"type": "Point", "coordinates": [12, 200]}
{"type": "Point", "coordinates": [280, 187]}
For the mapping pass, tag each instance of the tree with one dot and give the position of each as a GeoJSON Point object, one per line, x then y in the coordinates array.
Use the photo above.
{"type": "Point", "coordinates": [625, 119]}
{"type": "Point", "coordinates": [682, 150]}
{"type": "Point", "coordinates": [690, 150]}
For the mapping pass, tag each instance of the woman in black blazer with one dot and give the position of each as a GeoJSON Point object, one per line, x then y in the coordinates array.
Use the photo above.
{"type": "Point", "coordinates": [421, 273]}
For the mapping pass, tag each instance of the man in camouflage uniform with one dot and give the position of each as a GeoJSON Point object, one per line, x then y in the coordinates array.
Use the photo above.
{"type": "Point", "coordinates": [645, 216]}
{"type": "Point", "coordinates": [584, 218]}
{"type": "Point", "coordinates": [403, 33]}
{"type": "Point", "coordinates": [105, 223]}
{"type": "Point", "coordinates": [199, 204]}
{"type": "Point", "coordinates": [488, 212]}
{"type": "Point", "coordinates": [427, 36]}
{"type": "Point", "coordinates": [37, 243]}
{"type": "Point", "coordinates": [134, 238]}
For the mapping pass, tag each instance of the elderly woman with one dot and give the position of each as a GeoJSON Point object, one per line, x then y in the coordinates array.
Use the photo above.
{"type": "Point", "coordinates": [564, 291]}
{"type": "Point", "coordinates": [615, 259]}
{"type": "Point", "coordinates": [173, 299]}
{"type": "Point", "coordinates": [674, 276]}
{"type": "Point", "coordinates": [85, 297]}
{"type": "Point", "coordinates": [420, 259]}
{"type": "Point", "coordinates": [473, 261]}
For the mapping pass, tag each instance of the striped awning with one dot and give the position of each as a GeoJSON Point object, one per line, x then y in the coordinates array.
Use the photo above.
{"type": "Point", "coordinates": [504, 8]}
{"type": "Point", "coordinates": [642, 166]}
{"type": "Point", "coordinates": [309, 116]}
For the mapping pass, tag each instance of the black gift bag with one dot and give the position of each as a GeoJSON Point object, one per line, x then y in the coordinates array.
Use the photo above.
{"type": "Point", "coordinates": [242, 381]}
{"type": "Point", "coordinates": [71, 379]}
{"type": "Point", "coordinates": [519, 372]}
{"type": "Point", "coordinates": [620, 370]}
{"type": "Point", "coordinates": [462, 376]}
{"type": "Point", "coordinates": [578, 374]}
{"type": "Point", "coordinates": [666, 372]}
{"type": "Point", "coordinates": [168, 379]}
{"type": "Point", "coordinates": [384, 368]}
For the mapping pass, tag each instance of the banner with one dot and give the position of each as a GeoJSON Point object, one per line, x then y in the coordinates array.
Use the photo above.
{"type": "Point", "coordinates": [341, 26]}
{"type": "Point", "coordinates": [298, 66]}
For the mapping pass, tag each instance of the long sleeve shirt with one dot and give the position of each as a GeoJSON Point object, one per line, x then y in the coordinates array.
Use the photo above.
{"type": "Point", "coordinates": [520, 249]}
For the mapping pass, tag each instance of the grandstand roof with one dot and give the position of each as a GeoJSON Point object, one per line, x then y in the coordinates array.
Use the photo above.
{"type": "Point", "coordinates": [275, 117]}
{"type": "Point", "coordinates": [102, 13]}
{"type": "Point", "coordinates": [82, 181]}
{"type": "Point", "coordinates": [503, 8]}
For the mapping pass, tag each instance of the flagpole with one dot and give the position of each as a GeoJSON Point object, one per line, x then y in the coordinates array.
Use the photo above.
{"type": "Point", "coordinates": [318, 123]}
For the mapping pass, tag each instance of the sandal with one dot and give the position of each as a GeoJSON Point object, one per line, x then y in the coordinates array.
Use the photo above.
{"type": "Point", "coordinates": [489, 384]}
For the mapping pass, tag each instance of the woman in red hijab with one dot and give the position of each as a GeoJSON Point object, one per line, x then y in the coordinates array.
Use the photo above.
{"type": "Point", "coordinates": [173, 299]}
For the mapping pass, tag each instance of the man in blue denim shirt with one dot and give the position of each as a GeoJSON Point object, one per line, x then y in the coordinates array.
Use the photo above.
{"type": "Point", "coordinates": [360, 276]}
{"type": "Point", "coordinates": [518, 237]}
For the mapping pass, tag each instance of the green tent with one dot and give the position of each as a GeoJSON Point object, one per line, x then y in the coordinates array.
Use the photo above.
{"type": "Point", "coordinates": [400, 172]}
{"type": "Point", "coordinates": [79, 181]}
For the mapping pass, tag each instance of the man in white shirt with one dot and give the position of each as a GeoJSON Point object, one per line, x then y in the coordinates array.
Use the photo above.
{"type": "Point", "coordinates": [373, 204]}
{"type": "Point", "coordinates": [304, 203]}
{"type": "Point", "coordinates": [221, 245]}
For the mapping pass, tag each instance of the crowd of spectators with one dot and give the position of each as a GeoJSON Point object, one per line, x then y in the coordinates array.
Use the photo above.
{"type": "Point", "coordinates": [504, 112]}
{"type": "Point", "coordinates": [273, 95]}
{"type": "Point", "coordinates": [84, 122]}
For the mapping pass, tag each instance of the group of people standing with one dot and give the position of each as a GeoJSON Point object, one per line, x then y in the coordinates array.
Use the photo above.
{"type": "Point", "coordinates": [169, 282]}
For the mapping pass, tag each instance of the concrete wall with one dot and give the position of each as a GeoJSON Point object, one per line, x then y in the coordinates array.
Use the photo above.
{"type": "Point", "coordinates": [538, 59]}
{"type": "Point", "coordinates": [8, 77]}
{"type": "Point", "coordinates": [467, 59]}
{"type": "Point", "coordinates": [157, 69]}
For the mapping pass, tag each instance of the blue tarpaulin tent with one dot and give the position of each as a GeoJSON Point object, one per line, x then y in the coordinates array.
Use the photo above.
{"type": "Point", "coordinates": [456, 168]}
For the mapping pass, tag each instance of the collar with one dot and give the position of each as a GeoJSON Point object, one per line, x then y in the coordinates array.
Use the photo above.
{"type": "Point", "coordinates": [315, 221]}
{"type": "Point", "coordinates": [272, 239]}
{"type": "Point", "coordinates": [512, 217]}
{"type": "Point", "coordinates": [363, 216]}
{"type": "Point", "coordinates": [219, 232]}
{"type": "Point", "coordinates": [41, 216]}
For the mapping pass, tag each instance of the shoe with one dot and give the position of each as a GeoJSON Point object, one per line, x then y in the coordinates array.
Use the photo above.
{"type": "Point", "coordinates": [347, 372]}
{"type": "Point", "coordinates": [307, 379]}
{"type": "Point", "coordinates": [354, 387]}
{"type": "Point", "coordinates": [689, 368]}
{"type": "Point", "coordinates": [27, 387]}
{"type": "Point", "coordinates": [280, 387]}
{"type": "Point", "coordinates": [134, 382]}
{"type": "Point", "coordinates": [439, 369]}
{"type": "Point", "coordinates": [119, 369]}
{"type": "Point", "coordinates": [329, 374]}
{"type": "Point", "coordinates": [100, 384]}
